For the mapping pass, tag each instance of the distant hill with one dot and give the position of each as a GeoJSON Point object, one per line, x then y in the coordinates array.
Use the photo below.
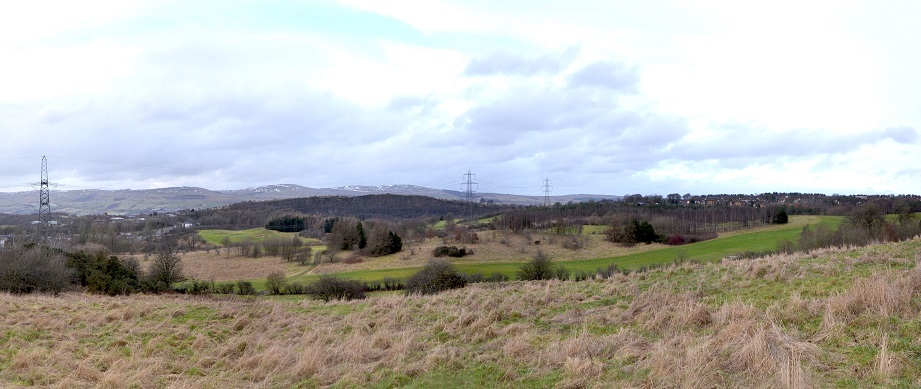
{"type": "Point", "coordinates": [370, 206]}
{"type": "Point", "coordinates": [136, 202]}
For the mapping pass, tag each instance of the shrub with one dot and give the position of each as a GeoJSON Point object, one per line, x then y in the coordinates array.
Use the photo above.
{"type": "Point", "coordinates": [449, 251]}
{"type": "Point", "coordinates": [245, 288]}
{"type": "Point", "coordinates": [165, 269]}
{"type": "Point", "coordinates": [225, 288]}
{"type": "Point", "coordinates": [701, 237]}
{"type": "Point", "coordinates": [609, 271]}
{"type": "Point", "coordinates": [275, 282]}
{"type": "Point", "coordinates": [473, 278]}
{"type": "Point", "coordinates": [561, 273]}
{"type": "Point", "coordinates": [541, 268]}
{"type": "Point", "coordinates": [33, 269]}
{"type": "Point", "coordinates": [353, 259]}
{"type": "Point", "coordinates": [328, 288]}
{"type": "Point", "coordinates": [105, 274]}
{"type": "Point", "coordinates": [393, 284]}
{"type": "Point", "coordinates": [574, 243]}
{"type": "Point", "coordinates": [295, 288]}
{"type": "Point", "coordinates": [780, 216]}
{"type": "Point", "coordinates": [643, 232]}
{"type": "Point", "coordinates": [195, 287]}
{"type": "Point", "coordinates": [384, 244]}
{"type": "Point", "coordinates": [675, 240]}
{"type": "Point", "coordinates": [436, 276]}
{"type": "Point", "coordinates": [496, 277]}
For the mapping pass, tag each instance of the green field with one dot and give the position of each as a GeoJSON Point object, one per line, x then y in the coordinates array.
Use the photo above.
{"type": "Point", "coordinates": [216, 237]}
{"type": "Point", "coordinates": [831, 318]}
{"type": "Point", "coordinates": [757, 240]}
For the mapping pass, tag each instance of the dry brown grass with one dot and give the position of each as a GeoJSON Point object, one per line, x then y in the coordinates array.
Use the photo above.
{"type": "Point", "coordinates": [494, 246]}
{"type": "Point", "coordinates": [223, 265]}
{"type": "Point", "coordinates": [219, 266]}
{"type": "Point", "coordinates": [675, 327]}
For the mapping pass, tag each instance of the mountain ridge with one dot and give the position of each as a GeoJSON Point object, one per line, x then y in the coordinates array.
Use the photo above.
{"type": "Point", "coordinates": [169, 199]}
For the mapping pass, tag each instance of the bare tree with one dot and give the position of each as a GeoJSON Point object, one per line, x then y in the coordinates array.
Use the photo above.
{"type": "Point", "coordinates": [165, 269]}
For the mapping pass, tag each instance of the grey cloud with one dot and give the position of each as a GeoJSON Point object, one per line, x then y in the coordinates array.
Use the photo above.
{"type": "Point", "coordinates": [525, 112]}
{"type": "Point", "coordinates": [905, 135]}
{"type": "Point", "coordinates": [570, 128]}
{"type": "Point", "coordinates": [741, 145]}
{"type": "Point", "coordinates": [506, 63]}
{"type": "Point", "coordinates": [213, 141]}
{"type": "Point", "coordinates": [606, 75]}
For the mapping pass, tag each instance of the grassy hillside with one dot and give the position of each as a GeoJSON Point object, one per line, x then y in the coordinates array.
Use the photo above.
{"type": "Point", "coordinates": [216, 237]}
{"type": "Point", "coordinates": [836, 318]}
{"type": "Point", "coordinates": [756, 240]}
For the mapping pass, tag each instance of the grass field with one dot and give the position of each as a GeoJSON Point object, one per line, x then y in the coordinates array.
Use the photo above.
{"type": "Point", "coordinates": [757, 240]}
{"type": "Point", "coordinates": [829, 318]}
{"type": "Point", "coordinates": [216, 237]}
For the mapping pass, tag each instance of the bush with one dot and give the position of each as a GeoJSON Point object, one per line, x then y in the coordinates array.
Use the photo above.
{"type": "Point", "coordinates": [164, 270]}
{"type": "Point", "coordinates": [195, 287]}
{"type": "Point", "coordinates": [33, 269]}
{"type": "Point", "coordinates": [436, 276]}
{"type": "Point", "coordinates": [780, 216]}
{"type": "Point", "coordinates": [449, 251]}
{"type": "Point", "coordinates": [701, 237]}
{"type": "Point", "coordinates": [387, 244]}
{"type": "Point", "coordinates": [328, 288]}
{"type": "Point", "coordinates": [608, 272]}
{"type": "Point", "coordinates": [275, 282]}
{"type": "Point", "coordinates": [353, 259]}
{"type": "Point", "coordinates": [245, 288]}
{"type": "Point", "coordinates": [473, 278]}
{"type": "Point", "coordinates": [105, 274]}
{"type": "Point", "coordinates": [496, 277]}
{"type": "Point", "coordinates": [643, 232]}
{"type": "Point", "coordinates": [393, 284]}
{"type": "Point", "coordinates": [541, 268]}
{"type": "Point", "coordinates": [574, 243]}
{"type": "Point", "coordinates": [225, 288]}
{"type": "Point", "coordinates": [675, 240]}
{"type": "Point", "coordinates": [295, 288]}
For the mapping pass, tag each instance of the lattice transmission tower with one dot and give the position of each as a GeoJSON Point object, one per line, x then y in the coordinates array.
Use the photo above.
{"type": "Point", "coordinates": [44, 201]}
{"type": "Point", "coordinates": [469, 194]}
{"type": "Point", "coordinates": [547, 192]}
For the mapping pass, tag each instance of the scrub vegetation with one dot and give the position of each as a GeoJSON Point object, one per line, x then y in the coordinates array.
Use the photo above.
{"type": "Point", "coordinates": [842, 317]}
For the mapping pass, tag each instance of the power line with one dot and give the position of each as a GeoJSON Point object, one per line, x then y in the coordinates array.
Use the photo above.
{"type": "Point", "coordinates": [505, 186]}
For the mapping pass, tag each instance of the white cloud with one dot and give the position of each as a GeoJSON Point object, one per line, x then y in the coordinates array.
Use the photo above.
{"type": "Point", "coordinates": [647, 97]}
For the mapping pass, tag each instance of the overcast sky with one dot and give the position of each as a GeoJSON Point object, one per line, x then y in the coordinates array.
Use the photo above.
{"type": "Point", "coordinates": [606, 97]}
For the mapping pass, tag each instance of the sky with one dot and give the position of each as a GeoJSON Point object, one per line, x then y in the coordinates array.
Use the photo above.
{"type": "Point", "coordinates": [598, 97]}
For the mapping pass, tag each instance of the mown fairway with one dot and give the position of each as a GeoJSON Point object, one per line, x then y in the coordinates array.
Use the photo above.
{"type": "Point", "coordinates": [216, 237]}
{"type": "Point", "coordinates": [831, 318]}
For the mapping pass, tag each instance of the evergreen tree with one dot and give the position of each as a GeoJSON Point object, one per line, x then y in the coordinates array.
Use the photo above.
{"type": "Point", "coordinates": [643, 232]}
{"type": "Point", "coordinates": [780, 217]}
{"type": "Point", "coordinates": [362, 239]}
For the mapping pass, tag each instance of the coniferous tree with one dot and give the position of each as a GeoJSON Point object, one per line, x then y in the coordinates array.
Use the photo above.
{"type": "Point", "coordinates": [362, 239]}
{"type": "Point", "coordinates": [781, 217]}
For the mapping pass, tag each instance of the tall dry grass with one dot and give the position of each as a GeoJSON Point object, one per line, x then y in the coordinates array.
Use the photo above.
{"type": "Point", "coordinates": [683, 326]}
